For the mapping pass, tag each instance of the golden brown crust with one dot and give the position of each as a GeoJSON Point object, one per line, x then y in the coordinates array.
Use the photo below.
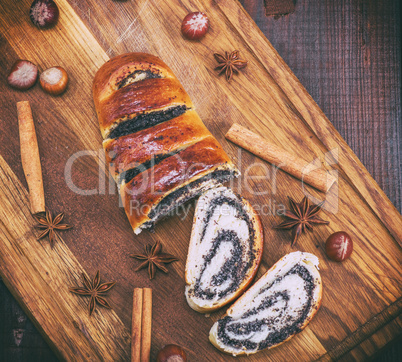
{"type": "Point", "coordinates": [149, 187]}
{"type": "Point", "coordinates": [116, 69]}
{"type": "Point", "coordinates": [129, 151]}
{"type": "Point", "coordinates": [149, 95]}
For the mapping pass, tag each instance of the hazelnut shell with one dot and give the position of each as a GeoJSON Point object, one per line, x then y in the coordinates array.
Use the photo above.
{"type": "Point", "coordinates": [171, 352]}
{"type": "Point", "coordinates": [339, 246]}
{"type": "Point", "coordinates": [54, 80]}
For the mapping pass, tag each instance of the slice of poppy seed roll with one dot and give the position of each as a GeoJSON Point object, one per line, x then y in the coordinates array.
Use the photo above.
{"type": "Point", "coordinates": [279, 305]}
{"type": "Point", "coordinates": [225, 250]}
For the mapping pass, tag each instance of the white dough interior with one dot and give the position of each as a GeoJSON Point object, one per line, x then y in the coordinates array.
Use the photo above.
{"type": "Point", "coordinates": [225, 217]}
{"type": "Point", "coordinates": [283, 313]}
{"type": "Point", "coordinates": [136, 77]}
{"type": "Point", "coordinates": [249, 320]}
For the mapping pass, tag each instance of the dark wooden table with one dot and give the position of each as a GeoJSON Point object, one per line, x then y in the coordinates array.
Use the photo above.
{"type": "Point", "coordinates": [347, 54]}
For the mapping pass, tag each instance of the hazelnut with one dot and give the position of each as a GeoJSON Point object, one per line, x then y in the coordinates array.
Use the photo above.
{"type": "Point", "coordinates": [44, 13]}
{"type": "Point", "coordinates": [54, 80]}
{"type": "Point", "coordinates": [171, 353]}
{"type": "Point", "coordinates": [339, 246]}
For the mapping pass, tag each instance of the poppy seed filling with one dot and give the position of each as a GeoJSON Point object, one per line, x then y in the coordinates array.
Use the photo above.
{"type": "Point", "coordinates": [185, 193]}
{"type": "Point", "coordinates": [146, 120]}
{"type": "Point", "coordinates": [228, 250]}
{"type": "Point", "coordinates": [278, 315]}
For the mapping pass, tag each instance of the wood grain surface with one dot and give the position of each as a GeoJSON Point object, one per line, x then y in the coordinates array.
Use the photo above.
{"type": "Point", "coordinates": [346, 55]}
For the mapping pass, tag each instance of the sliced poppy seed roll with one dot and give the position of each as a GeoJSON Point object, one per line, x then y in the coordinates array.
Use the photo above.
{"type": "Point", "coordinates": [158, 149]}
{"type": "Point", "coordinates": [279, 305]}
{"type": "Point", "coordinates": [225, 250]}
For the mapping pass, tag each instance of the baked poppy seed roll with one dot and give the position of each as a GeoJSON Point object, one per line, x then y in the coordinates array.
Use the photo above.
{"type": "Point", "coordinates": [131, 154]}
{"type": "Point", "coordinates": [225, 249]}
{"type": "Point", "coordinates": [279, 305]}
{"type": "Point", "coordinates": [159, 151]}
{"type": "Point", "coordinates": [125, 69]}
{"type": "Point", "coordinates": [157, 191]}
{"type": "Point", "coordinates": [141, 105]}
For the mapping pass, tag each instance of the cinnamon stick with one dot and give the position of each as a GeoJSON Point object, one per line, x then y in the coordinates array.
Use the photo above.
{"type": "Point", "coordinates": [30, 157]}
{"type": "Point", "coordinates": [296, 166]}
{"type": "Point", "coordinates": [146, 325]}
{"type": "Point", "coordinates": [141, 325]}
{"type": "Point", "coordinates": [136, 325]}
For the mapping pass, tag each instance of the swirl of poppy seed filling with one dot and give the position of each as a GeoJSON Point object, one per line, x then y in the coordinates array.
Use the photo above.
{"type": "Point", "coordinates": [228, 253]}
{"type": "Point", "coordinates": [276, 313]}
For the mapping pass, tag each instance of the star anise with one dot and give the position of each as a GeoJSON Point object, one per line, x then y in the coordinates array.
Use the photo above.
{"type": "Point", "coordinates": [93, 289]}
{"type": "Point", "coordinates": [50, 225]}
{"type": "Point", "coordinates": [301, 216]}
{"type": "Point", "coordinates": [154, 258]}
{"type": "Point", "coordinates": [229, 63]}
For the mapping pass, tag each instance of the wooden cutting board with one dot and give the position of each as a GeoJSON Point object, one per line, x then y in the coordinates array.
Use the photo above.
{"type": "Point", "coordinates": [362, 304]}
